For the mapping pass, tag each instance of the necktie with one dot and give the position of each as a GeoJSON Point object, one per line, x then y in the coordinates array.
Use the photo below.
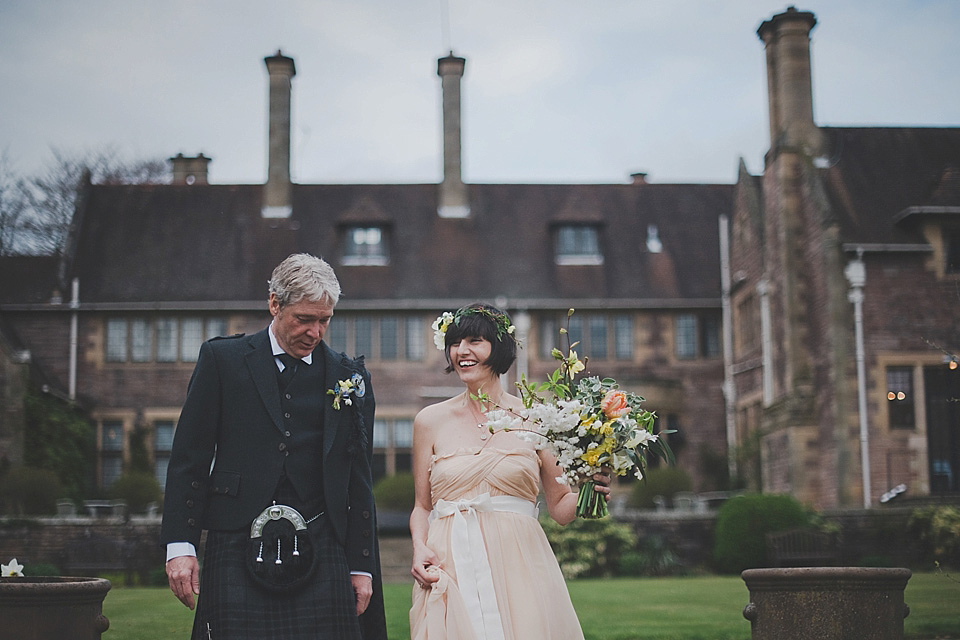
{"type": "Point", "coordinates": [289, 368]}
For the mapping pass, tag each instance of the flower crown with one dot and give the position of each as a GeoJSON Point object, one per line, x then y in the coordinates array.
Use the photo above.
{"type": "Point", "coordinates": [445, 319]}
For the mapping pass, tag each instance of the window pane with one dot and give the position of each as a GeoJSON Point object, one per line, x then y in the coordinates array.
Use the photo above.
{"type": "Point", "coordinates": [160, 465]}
{"type": "Point", "coordinates": [576, 335]}
{"type": "Point", "coordinates": [163, 435]}
{"type": "Point", "coordinates": [381, 435]}
{"type": "Point", "coordinates": [191, 337]}
{"type": "Point", "coordinates": [363, 326]}
{"type": "Point", "coordinates": [548, 337]}
{"type": "Point", "coordinates": [711, 336]}
{"type": "Point", "coordinates": [215, 327]}
{"type": "Point", "coordinates": [112, 436]}
{"type": "Point", "coordinates": [116, 340]}
{"type": "Point", "coordinates": [336, 335]}
{"type": "Point", "coordinates": [414, 338]}
{"type": "Point", "coordinates": [686, 330]}
{"type": "Point", "coordinates": [403, 434]}
{"type": "Point", "coordinates": [598, 337]}
{"type": "Point", "coordinates": [166, 340]}
{"type": "Point", "coordinates": [623, 336]}
{"type": "Point", "coordinates": [141, 341]}
{"type": "Point", "coordinates": [388, 338]}
{"type": "Point", "coordinates": [112, 469]}
{"type": "Point", "coordinates": [578, 244]}
{"type": "Point", "coordinates": [365, 245]}
{"type": "Point", "coordinates": [900, 397]}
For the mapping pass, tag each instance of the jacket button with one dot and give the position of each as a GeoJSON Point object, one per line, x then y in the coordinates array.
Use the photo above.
{"type": "Point", "coordinates": [283, 446]}
{"type": "Point", "coordinates": [366, 553]}
{"type": "Point", "coordinates": [190, 504]}
{"type": "Point", "coordinates": [287, 396]}
{"type": "Point", "coordinates": [366, 515]}
{"type": "Point", "coordinates": [366, 533]}
{"type": "Point", "coordinates": [195, 484]}
{"type": "Point", "coordinates": [191, 522]}
{"type": "Point", "coordinates": [286, 415]}
{"type": "Point", "coordinates": [286, 433]}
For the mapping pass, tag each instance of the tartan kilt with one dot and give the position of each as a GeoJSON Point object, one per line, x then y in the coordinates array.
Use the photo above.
{"type": "Point", "coordinates": [232, 607]}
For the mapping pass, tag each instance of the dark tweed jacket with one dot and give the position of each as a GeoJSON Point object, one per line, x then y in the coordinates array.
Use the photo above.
{"type": "Point", "coordinates": [232, 418]}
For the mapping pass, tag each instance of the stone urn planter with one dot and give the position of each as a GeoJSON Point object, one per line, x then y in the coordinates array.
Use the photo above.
{"type": "Point", "coordinates": [826, 603]}
{"type": "Point", "coordinates": [53, 608]}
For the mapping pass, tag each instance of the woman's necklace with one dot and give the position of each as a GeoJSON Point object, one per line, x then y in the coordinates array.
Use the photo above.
{"type": "Point", "coordinates": [481, 420]}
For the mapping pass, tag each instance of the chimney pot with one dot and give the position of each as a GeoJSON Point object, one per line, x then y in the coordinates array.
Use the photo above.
{"type": "Point", "coordinates": [786, 37]}
{"type": "Point", "coordinates": [638, 178]}
{"type": "Point", "coordinates": [278, 191]}
{"type": "Point", "coordinates": [453, 201]}
{"type": "Point", "coordinates": [188, 170]}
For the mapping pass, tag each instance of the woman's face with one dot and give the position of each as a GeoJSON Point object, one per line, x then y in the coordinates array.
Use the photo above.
{"type": "Point", "coordinates": [468, 357]}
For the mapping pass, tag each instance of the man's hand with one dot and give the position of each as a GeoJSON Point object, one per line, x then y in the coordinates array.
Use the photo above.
{"type": "Point", "coordinates": [363, 587]}
{"type": "Point", "coordinates": [183, 574]}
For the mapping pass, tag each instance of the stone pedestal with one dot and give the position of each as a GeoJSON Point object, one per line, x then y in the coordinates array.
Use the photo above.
{"type": "Point", "coordinates": [53, 608]}
{"type": "Point", "coordinates": [826, 603]}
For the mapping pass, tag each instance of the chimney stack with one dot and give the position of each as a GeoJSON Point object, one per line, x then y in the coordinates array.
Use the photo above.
{"type": "Point", "coordinates": [189, 170]}
{"type": "Point", "coordinates": [789, 85]}
{"type": "Point", "coordinates": [452, 201]}
{"type": "Point", "coordinates": [278, 192]}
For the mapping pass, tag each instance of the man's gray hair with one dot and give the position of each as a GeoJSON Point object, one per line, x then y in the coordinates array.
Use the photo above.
{"type": "Point", "coordinates": [303, 276]}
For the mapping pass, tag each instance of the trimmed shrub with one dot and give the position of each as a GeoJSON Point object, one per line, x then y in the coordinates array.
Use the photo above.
{"type": "Point", "coordinates": [137, 489]}
{"type": "Point", "coordinates": [662, 481]}
{"type": "Point", "coordinates": [938, 531]}
{"type": "Point", "coordinates": [589, 548]}
{"type": "Point", "coordinates": [28, 491]}
{"type": "Point", "coordinates": [743, 523]}
{"type": "Point", "coordinates": [395, 492]}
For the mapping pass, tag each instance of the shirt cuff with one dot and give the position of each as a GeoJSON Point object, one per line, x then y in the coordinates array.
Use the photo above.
{"type": "Point", "coordinates": [177, 549]}
{"type": "Point", "coordinates": [362, 573]}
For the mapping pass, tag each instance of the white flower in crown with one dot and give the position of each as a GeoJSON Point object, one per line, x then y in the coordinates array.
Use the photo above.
{"type": "Point", "coordinates": [440, 326]}
{"type": "Point", "coordinates": [14, 569]}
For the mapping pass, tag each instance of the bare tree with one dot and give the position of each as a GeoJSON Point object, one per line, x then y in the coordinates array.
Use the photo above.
{"type": "Point", "coordinates": [51, 197]}
{"type": "Point", "coordinates": [13, 206]}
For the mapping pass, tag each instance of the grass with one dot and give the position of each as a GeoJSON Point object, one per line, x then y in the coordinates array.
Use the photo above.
{"type": "Point", "coordinates": [700, 608]}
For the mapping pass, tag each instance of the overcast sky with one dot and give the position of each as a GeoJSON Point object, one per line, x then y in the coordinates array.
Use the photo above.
{"type": "Point", "coordinates": [554, 91]}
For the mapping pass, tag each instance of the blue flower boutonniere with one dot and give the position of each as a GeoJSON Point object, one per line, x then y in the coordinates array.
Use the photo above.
{"type": "Point", "coordinates": [346, 390]}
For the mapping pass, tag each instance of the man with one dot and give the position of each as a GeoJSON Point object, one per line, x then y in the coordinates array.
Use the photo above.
{"type": "Point", "coordinates": [272, 457]}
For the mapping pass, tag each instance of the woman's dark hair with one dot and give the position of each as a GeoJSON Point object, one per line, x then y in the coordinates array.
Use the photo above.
{"type": "Point", "coordinates": [483, 321]}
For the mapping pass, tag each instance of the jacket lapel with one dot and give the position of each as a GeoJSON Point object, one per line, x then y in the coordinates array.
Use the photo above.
{"type": "Point", "coordinates": [263, 370]}
{"type": "Point", "coordinates": [334, 421]}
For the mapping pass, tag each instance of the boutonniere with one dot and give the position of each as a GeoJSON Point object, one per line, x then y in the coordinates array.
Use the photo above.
{"type": "Point", "coordinates": [14, 569]}
{"type": "Point", "coordinates": [346, 390]}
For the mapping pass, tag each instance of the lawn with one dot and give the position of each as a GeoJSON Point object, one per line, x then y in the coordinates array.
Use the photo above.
{"type": "Point", "coordinates": [701, 608]}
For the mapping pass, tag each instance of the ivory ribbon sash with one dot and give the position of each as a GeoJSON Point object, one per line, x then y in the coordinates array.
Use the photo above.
{"type": "Point", "coordinates": [474, 580]}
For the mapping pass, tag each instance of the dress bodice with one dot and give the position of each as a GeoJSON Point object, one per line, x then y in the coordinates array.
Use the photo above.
{"type": "Point", "coordinates": [466, 473]}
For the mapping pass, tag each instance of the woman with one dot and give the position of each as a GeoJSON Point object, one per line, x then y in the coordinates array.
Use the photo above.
{"type": "Point", "coordinates": [483, 566]}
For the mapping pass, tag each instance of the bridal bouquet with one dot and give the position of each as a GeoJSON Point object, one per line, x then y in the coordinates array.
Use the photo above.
{"type": "Point", "coordinates": [587, 424]}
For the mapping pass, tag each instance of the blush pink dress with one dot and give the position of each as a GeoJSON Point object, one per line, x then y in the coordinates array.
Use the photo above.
{"type": "Point", "coordinates": [499, 578]}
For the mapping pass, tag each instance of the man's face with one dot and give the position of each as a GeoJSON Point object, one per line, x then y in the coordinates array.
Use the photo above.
{"type": "Point", "coordinates": [300, 326]}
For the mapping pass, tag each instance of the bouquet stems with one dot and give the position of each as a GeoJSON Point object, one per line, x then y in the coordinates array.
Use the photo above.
{"type": "Point", "coordinates": [591, 504]}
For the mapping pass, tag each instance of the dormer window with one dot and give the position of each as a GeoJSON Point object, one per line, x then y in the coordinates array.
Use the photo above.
{"type": "Point", "coordinates": [365, 246]}
{"type": "Point", "coordinates": [578, 244]}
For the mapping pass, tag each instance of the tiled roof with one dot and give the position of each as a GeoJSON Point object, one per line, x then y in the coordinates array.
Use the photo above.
{"type": "Point", "coordinates": [208, 243]}
{"type": "Point", "coordinates": [874, 174]}
{"type": "Point", "coordinates": [28, 279]}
